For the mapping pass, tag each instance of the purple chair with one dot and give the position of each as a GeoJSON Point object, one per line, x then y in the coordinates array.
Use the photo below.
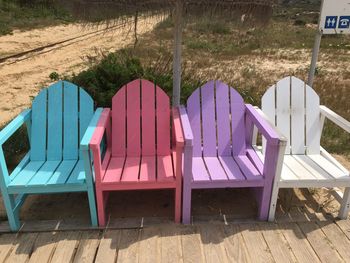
{"type": "Point", "coordinates": [218, 129]}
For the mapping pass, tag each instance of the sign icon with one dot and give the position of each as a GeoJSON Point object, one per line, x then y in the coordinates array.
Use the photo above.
{"type": "Point", "coordinates": [331, 22]}
{"type": "Point", "coordinates": [344, 22]}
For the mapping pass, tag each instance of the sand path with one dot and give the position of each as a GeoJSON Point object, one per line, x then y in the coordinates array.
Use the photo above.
{"type": "Point", "coordinates": [22, 77]}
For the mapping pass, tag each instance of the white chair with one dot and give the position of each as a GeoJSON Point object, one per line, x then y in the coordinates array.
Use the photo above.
{"type": "Point", "coordinates": [294, 108]}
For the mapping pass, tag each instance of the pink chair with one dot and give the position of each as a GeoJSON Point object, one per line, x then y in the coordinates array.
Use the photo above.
{"type": "Point", "coordinates": [139, 154]}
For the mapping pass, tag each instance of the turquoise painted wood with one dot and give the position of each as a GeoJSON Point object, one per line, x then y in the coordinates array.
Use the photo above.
{"type": "Point", "coordinates": [60, 126]}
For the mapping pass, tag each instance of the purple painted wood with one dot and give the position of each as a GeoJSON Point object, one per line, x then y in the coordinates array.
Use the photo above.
{"type": "Point", "coordinates": [208, 119]}
{"type": "Point", "coordinates": [210, 110]}
{"type": "Point", "coordinates": [223, 122]}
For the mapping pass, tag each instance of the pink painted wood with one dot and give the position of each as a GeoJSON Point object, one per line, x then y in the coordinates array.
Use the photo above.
{"type": "Point", "coordinates": [138, 154]}
{"type": "Point", "coordinates": [217, 117]}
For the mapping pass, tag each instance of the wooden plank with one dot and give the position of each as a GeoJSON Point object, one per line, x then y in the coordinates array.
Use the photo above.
{"type": "Point", "coordinates": [194, 116]}
{"type": "Point", "coordinates": [329, 167]}
{"type": "Point", "coordinates": [192, 249]}
{"type": "Point", "coordinates": [170, 241]}
{"type": "Point", "coordinates": [299, 244]}
{"type": "Point", "coordinates": [148, 169]}
{"type": "Point", "coordinates": [222, 119]}
{"type": "Point", "coordinates": [236, 251]}
{"type": "Point", "coordinates": [338, 239]}
{"type": "Point", "coordinates": [22, 248]}
{"type": "Point", "coordinates": [62, 172]}
{"type": "Point", "coordinates": [313, 128]}
{"type": "Point", "coordinates": [131, 169]}
{"type": "Point", "coordinates": [44, 247]}
{"type": "Point", "coordinates": [78, 174]}
{"type": "Point", "coordinates": [114, 170]}
{"type": "Point", "coordinates": [163, 122]}
{"type": "Point", "coordinates": [87, 247]}
{"type": "Point", "coordinates": [278, 245]}
{"type": "Point", "coordinates": [149, 245]}
{"type": "Point", "coordinates": [215, 169]}
{"type": "Point", "coordinates": [38, 135]}
{"type": "Point", "coordinates": [86, 112]}
{"type": "Point", "coordinates": [344, 225]}
{"type": "Point", "coordinates": [6, 245]}
{"type": "Point", "coordinates": [133, 118]}
{"type": "Point", "coordinates": [107, 249]}
{"type": "Point", "coordinates": [148, 118]}
{"type": "Point", "coordinates": [208, 120]}
{"type": "Point", "coordinates": [237, 123]}
{"type": "Point", "coordinates": [256, 245]}
{"type": "Point", "coordinates": [44, 173]}
{"type": "Point", "coordinates": [319, 242]}
{"type": "Point", "coordinates": [298, 169]}
{"type": "Point", "coordinates": [212, 239]}
{"type": "Point", "coordinates": [247, 168]}
{"type": "Point", "coordinates": [297, 116]}
{"type": "Point", "coordinates": [199, 170]}
{"type": "Point", "coordinates": [283, 109]}
{"type": "Point", "coordinates": [66, 246]}
{"type": "Point", "coordinates": [55, 122]}
{"type": "Point", "coordinates": [23, 177]}
{"type": "Point", "coordinates": [231, 168]}
{"type": "Point", "coordinates": [129, 246]}
{"type": "Point", "coordinates": [268, 106]}
{"type": "Point", "coordinates": [165, 168]}
{"type": "Point", "coordinates": [119, 123]}
{"type": "Point", "coordinates": [70, 121]}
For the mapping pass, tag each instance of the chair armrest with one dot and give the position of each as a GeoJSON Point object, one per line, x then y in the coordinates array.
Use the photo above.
{"type": "Point", "coordinates": [85, 141]}
{"type": "Point", "coordinates": [100, 129]}
{"type": "Point", "coordinates": [186, 126]}
{"type": "Point", "coordinates": [179, 137]}
{"type": "Point", "coordinates": [13, 126]}
{"type": "Point", "coordinates": [265, 127]}
{"type": "Point", "coordinates": [335, 118]}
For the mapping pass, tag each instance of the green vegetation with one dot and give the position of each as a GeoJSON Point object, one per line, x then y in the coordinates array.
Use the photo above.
{"type": "Point", "coordinates": [24, 14]}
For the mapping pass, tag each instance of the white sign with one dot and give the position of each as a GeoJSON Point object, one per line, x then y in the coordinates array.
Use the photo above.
{"type": "Point", "coordinates": [335, 17]}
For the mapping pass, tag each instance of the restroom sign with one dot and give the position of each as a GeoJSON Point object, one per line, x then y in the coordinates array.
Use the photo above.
{"type": "Point", "coordinates": [335, 17]}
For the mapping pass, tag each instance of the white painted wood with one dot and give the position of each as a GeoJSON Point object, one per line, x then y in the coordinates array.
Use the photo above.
{"type": "Point", "coordinates": [330, 158]}
{"type": "Point", "coordinates": [313, 184]}
{"type": "Point", "coordinates": [345, 205]}
{"type": "Point", "coordinates": [298, 168]}
{"type": "Point", "coordinates": [313, 168]}
{"type": "Point", "coordinates": [334, 117]}
{"type": "Point", "coordinates": [313, 127]}
{"type": "Point", "coordinates": [287, 174]}
{"type": "Point", "coordinates": [329, 167]}
{"type": "Point", "coordinates": [297, 116]}
{"type": "Point", "coordinates": [268, 106]}
{"type": "Point", "coordinates": [283, 109]}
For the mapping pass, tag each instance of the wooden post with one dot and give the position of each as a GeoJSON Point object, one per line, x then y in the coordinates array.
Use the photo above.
{"type": "Point", "coordinates": [315, 52]}
{"type": "Point", "coordinates": [177, 53]}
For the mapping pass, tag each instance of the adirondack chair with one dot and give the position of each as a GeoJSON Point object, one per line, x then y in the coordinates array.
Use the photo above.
{"type": "Point", "coordinates": [139, 153]}
{"type": "Point", "coordinates": [295, 109]}
{"type": "Point", "coordinates": [60, 125]}
{"type": "Point", "coordinates": [218, 153]}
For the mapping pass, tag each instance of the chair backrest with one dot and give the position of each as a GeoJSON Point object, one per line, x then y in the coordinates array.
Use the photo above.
{"type": "Point", "coordinates": [216, 113]}
{"type": "Point", "coordinates": [140, 120]}
{"type": "Point", "coordinates": [294, 108]}
{"type": "Point", "coordinates": [60, 115]}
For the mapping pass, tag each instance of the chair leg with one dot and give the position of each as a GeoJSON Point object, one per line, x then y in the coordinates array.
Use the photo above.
{"type": "Point", "coordinates": [92, 205]}
{"type": "Point", "coordinates": [178, 204]}
{"type": "Point", "coordinates": [273, 204]}
{"type": "Point", "coordinates": [186, 204]}
{"type": "Point", "coordinates": [101, 208]}
{"type": "Point", "coordinates": [265, 198]}
{"type": "Point", "coordinates": [345, 206]}
{"type": "Point", "coordinates": [13, 216]}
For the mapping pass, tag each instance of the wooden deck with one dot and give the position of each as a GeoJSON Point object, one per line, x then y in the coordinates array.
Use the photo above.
{"type": "Point", "coordinates": [309, 241]}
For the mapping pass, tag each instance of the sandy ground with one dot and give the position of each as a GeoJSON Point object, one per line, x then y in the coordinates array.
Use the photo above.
{"type": "Point", "coordinates": [21, 78]}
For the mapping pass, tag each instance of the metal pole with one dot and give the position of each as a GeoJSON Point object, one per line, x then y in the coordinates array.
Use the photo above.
{"type": "Point", "coordinates": [177, 53]}
{"type": "Point", "coordinates": [315, 52]}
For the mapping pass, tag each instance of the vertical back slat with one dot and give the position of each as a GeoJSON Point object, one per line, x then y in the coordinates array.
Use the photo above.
{"type": "Point", "coordinates": [283, 109]}
{"type": "Point", "coordinates": [163, 122]}
{"type": "Point", "coordinates": [119, 123]}
{"type": "Point", "coordinates": [133, 116]}
{"type": "Point", "coordinates": [86, 111]}
{"type": "Point", "coordinates": [70, 121]}
{"type": "Point", "coordinates": [39, 118]}
{"type": "Point", "coordinates": [237, 123]}
{"type": "Point", "coordinates": [297, 116]}
{"type": "Point", "coordinates": [222, 118]}
{"type": "Point", "coordinates": [148, 118]}
{"type": "Point", "coordinates": [55, 122]}
{"type": "Point", "coordinates": [208, 120]}
{"type": "Point", "coordinates": [194, 115]}
{"type": "Point", "coordinates": [268, 106]}
{"type": "Point", "coordinates": [313, 129]}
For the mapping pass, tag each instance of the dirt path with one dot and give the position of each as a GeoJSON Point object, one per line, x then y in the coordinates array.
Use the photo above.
{"type": "Point", "coordinates": [21, 78]}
